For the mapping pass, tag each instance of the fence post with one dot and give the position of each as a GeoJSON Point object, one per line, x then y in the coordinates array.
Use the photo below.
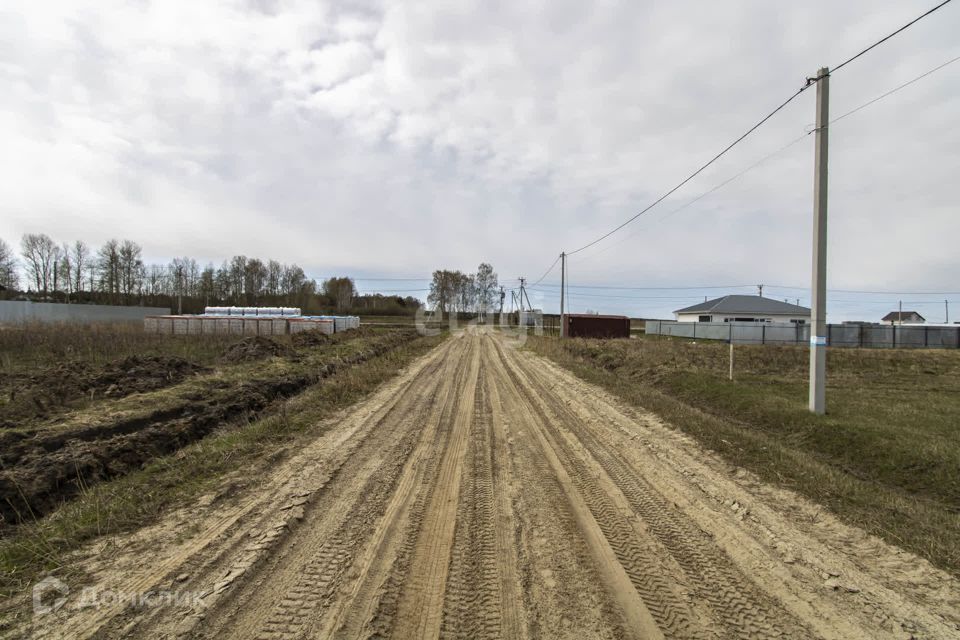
{"type": "Point", "coordinates": [763, 333]}
{"type": "Point", "coordinates": [731, 360]}
{"type": "Point", "coordinates": [894, 336]}
{"type": "Point", "coordinates": [695, 330]}
{"type": "Point", "coordinates": [926, 336]}
{"type": "Point", "coordinates": [861, 336]}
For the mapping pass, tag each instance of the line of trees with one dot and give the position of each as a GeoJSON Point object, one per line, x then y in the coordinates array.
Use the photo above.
{"type": "Point", "coordinates": [116, 273]}
{"type": "Point", "coordinates": [458, 292]}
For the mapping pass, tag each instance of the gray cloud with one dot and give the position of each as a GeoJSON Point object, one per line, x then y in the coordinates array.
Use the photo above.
{"type": "Point", "coordinates": [394, 138]}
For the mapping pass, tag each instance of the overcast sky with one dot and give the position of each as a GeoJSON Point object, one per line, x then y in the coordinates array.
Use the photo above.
{"type": "Point", "coordinates": [391, 139]}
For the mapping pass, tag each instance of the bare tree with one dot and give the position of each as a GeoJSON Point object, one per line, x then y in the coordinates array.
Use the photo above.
{"type": "Point", "coordinates": [254, 280]}
{"type": "Point", "coordinates": [109, 270]}
{"type": "Point", "coordinates": [341, 291]}
{"type": "Point", "coordinates": [39, 253]}
{"type": "Point", "coordinates": [79, 258]}
{"type": "Point", "coordinates": [65, 268]}
{"type": "Point", "coordinates": [131, 269]}
{"type": "Point", "coordinates": [238, 268]}
{"type": "Point", "coordinates": [486, 285]}
{"type": "Point", "coordinates": [8, 267]}
{"type": "Point", "coordinates": [274, 277]}
{"type": "Point", "coordinates": [207, 284]}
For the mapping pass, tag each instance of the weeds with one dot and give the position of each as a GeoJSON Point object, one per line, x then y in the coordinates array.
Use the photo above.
{"type": "Point", "coordinates": [886, 457]}
{"type": "Point", "coordinates": [139, 498]}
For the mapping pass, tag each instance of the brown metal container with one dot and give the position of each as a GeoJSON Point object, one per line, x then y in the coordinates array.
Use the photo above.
{"type": "Point", "coordinates": [591, 326]}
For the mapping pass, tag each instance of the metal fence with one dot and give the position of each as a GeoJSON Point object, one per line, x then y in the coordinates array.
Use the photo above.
{"type": "Point", "coordinates": [838, 335]}
{"type": "Point", "coordinates": [20, 312]}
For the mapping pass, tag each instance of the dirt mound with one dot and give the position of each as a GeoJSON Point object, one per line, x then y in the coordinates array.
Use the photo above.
{"type": "Point", "coordinates": [38, 470]}
{"type": "Point", "coordinates": [61, 386]}
{"type": "Point", "coordinates": [310, 339]}
{"type": "Point", "coordinates": [255, 348]}
{"type": "Point", "coordinates": [138, 374]}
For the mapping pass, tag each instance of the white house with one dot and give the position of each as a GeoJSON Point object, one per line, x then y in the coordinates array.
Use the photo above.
{"type": "Point", "coordinates": [744, 309]}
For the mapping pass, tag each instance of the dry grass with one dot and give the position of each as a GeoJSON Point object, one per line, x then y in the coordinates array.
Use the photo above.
{"type": "Point", "coordinates": [137, 499]}
{"type": "Point", "coordinates": [31, 346]}
{"type": "Point", "coordinates": [886, 457]}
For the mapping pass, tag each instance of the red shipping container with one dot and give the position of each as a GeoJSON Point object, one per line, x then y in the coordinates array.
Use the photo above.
{"type": "Point", "coordinates": [591, 326]}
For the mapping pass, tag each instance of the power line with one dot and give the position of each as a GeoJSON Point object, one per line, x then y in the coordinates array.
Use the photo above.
{"type": "Point", "coordinates": [776, 153]}
{"type": "Point", "coordinates": [894, 90]}
{"type": "Point", "coordinates": [600, 286]}
{"type": "Point", "coordinates": [697, 172]}
{"type": "Point", "coordinates": [547, 272]}
{"type": "Point", "coordinates": [743, 286]}
{"type": "Point", "coordinates": [887, 37]}
{"type": "Point", "coordinates": [898, 293]}
{"type": "Point", "coordinates": [810, 82]}
{"type": "Point", "coordinates": [607, 295]}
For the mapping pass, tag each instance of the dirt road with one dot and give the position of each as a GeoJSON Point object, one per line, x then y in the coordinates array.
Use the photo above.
{"type": "Point", "coordinates": [485, 493]}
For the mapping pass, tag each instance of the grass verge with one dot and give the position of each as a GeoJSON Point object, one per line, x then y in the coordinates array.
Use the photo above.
{"type": "Point", "coordinates": [139, 498]}
{"type": "Point", "coordinates": [885, 458]}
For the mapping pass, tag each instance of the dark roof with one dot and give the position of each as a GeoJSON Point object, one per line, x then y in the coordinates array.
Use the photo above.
{"type": "Point", "coordinates": [893, 316]}
{"type": "Point", "coordinates": [746, 305]}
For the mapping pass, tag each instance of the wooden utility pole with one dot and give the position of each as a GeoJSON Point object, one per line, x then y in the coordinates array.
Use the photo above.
{"type": "Point", "coordinates": [818, 311]}
{"type": "Point", "coordinates": [563, 282]}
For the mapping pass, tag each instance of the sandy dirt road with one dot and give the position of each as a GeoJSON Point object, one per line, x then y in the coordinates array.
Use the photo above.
{"type": "Point", "coordinates": [485, 493]}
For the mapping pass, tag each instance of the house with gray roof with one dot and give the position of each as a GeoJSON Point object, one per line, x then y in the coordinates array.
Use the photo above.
{"type": "Point", "coordinates": [738, 308]}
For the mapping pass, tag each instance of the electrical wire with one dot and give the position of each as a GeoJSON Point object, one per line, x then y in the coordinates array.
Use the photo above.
{"type": "Point", "coordinates": [887, 37]}
{"type": "Point", "coordinates": [894, 90]}
{"type": "Point", "coordinates": [810, 82]}
{"type": "Point", "coordinates": [695, 173]}
{"type": "Point", "coordinates": [601, 286]}
{"type": "Point", "coordinates": [546, 273]}
{"type": "Point", "coordinates": [898, 293]}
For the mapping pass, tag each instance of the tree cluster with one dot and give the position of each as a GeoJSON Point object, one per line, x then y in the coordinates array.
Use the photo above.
{"type": "Point", "coordinates": [458, 292]}
{"type": "Point", "coordinates": [116, 273]}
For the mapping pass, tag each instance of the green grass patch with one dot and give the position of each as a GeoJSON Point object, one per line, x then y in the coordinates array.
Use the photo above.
{"type": "Point", "coordinates": [886, 457]}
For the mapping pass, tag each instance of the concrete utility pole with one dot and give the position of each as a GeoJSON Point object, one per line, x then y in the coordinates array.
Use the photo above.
{"type": "Point", "coordinates": [563, 282]}
{"type": "Point", "coordinates": [760, 290]}
{"type": "Point", "coordinates": [818, 311]}
{"type": "Point", "coordinates": [946, 310]}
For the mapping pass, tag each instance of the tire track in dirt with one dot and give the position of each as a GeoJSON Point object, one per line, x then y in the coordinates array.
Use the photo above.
{"type": "Point", "coordinates": [420, 609]}
{"type": "Point", "coordinates": [643, 590]}
{"type": "Point", "coordinates": [488, 495]}
{"type": "Point", "coordinates": [472, 607]}
{"type": "Point", "coordinates": [302, 575]}
{"type": "Point", "coordinates": [742, 608]}
{"type": "Point", "coordinates": [358, 612]}
{"type": "Point", "coordinates": [737, 604]}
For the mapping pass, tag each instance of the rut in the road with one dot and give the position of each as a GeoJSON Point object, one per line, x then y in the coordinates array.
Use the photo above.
{"type": "Point", "coordinates": [489, 496]}
{"type": "Point", "coordinates": [473, 607]}
{"type": "Point", "coordinates": [738, 605]}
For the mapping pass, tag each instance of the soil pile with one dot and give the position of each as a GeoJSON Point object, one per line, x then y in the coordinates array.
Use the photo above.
{"type": "Point", "coordinates": [255, 348]}
{"type": "Point", "coordinates": [312, 338]}
{"type": "Point", "coordinates": [63, 385]}
{"type": "Point", "coordinates": [138, 374]}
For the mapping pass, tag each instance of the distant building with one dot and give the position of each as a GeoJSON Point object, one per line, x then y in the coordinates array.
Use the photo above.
{"type": "Point", "coordinates": [739, 308]}
{"type": "Point", "coordinates": [903, 317]}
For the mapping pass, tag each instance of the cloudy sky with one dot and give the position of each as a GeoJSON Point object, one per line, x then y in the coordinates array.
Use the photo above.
{"type": "Point", "coordinates": [390, 139]}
